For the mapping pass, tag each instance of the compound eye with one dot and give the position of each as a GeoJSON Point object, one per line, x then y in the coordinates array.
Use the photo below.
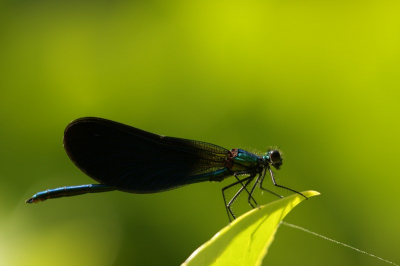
{"type": "Point", "coordinates": [275, 157]}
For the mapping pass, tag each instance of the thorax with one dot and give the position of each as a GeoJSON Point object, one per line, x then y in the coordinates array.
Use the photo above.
{"type": "Point", "coordinates": [244, 161]}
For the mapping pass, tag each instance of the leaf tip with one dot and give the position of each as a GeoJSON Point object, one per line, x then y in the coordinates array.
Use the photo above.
{"type": "Point", "coordinates": [310, 193]}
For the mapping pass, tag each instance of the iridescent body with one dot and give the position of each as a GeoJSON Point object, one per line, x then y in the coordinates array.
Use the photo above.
{"type": "Point", "coordinates": [128, 159]}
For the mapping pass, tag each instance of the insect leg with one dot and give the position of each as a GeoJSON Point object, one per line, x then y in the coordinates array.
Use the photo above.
{"type": "Point", "coordinates": [275, 184]}
{"type": "Point", "coordinates": [249, 193]}
{"type": "Point", "coordinates": [261, 183]}
{"type": "Point", "coordinates": [228, 205]}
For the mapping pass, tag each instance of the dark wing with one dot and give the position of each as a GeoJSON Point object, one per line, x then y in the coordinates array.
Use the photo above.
{"type": "Point", "coordinates": [134, 160]}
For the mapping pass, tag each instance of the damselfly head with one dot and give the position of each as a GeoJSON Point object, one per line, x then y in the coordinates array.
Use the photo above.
{"type": "Point", "coordinates": [274, 158]}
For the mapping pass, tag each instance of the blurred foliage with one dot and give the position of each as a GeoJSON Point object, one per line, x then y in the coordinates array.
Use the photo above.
{"type": "Point", "coordinates": [319, 79]}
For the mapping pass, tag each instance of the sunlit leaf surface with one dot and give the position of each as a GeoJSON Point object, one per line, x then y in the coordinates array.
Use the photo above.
{"type": "Point", "coordinates": [246, 240]}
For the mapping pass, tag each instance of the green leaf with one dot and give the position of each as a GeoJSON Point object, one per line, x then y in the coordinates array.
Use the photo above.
{"type": "Point", "coordinates": [245, 241]}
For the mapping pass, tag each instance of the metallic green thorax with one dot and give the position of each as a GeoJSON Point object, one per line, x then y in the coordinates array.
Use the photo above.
{"type": "Point", "coordinates": [239, 161]}
{"type": "Point", "coordinates": [246, 161]}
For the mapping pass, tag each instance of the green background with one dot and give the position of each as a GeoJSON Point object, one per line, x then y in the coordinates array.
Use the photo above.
{"type": "Point", "coordinates": [319, 79]}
